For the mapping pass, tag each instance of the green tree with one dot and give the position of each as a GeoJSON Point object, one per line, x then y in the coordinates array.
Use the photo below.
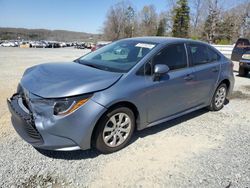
{"type": "Point", "coordinates": [161, 27]}
{"type": "Point", "coordinates": [181, 19]}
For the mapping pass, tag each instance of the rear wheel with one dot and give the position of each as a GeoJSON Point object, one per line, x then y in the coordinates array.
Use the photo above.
{"type": "Point", "coordinates": [219, 98]}
{"type": "Point", "coordinates": [114, 130]}
{"type": "Point", "coordinates": [242, 71]}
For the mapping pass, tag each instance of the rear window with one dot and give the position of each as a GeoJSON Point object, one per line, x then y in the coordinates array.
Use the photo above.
{"type": "Point", "coordinates": [242, 43]}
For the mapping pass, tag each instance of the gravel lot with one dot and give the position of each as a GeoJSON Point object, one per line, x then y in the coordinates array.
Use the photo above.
{"type": "Point", "coordinates": [202, 149]}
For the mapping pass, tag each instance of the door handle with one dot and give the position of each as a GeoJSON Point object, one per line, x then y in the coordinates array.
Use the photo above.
{"type": "Point", "coordinates": [215, 69]}
{"type": "Point", "coordinates": [189, 77]}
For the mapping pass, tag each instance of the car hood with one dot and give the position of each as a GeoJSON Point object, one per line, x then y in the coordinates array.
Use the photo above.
{"type": "Point", "coordinates": [56, 80]}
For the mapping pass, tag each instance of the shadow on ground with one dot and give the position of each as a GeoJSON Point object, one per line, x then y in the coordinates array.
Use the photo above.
{"type": "Point", "coordinates": [247, 76]}
{"type": "Point", "coordinates": [92, 153]}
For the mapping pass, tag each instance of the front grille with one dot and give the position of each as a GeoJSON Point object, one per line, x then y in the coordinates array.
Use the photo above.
{"type": "Point", "coordinates": [24, 122]}
{"type": "Point", "coordinates": [30, 128]}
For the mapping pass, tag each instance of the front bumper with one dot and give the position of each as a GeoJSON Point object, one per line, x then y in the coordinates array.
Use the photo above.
{"type": "Point", "coordinates": [44, 131]}
{"type": "Point", "coordinates": [23, 122]}
{"type": "Point", "coordinates": [245, 64]}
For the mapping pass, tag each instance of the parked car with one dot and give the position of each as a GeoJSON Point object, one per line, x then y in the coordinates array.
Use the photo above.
{"type": "Point", "coordinates": [24, 44]}
{"type": "Point", "coordinates": [8, 44]}
{"type": "Point", "coordinates": [53, 44]}
{"type": "Point", "coordinates": [100, 45]}
{"type": "Point", "coordinates": [62, 44]}
{"type": "Point", "coordinates": [37, 44]}
{"type": "Point", "coordinates": [89, 45]}
{"type": "Point", "coordinates": [241, 46]}
{"type": "Point", "coordinates": [97, 46]}
{"type": "Point", "coordinates": [80, 46]}
{"type": "Point", "coordinates": [244, 66]}
{"type": "Point", "coordinates": [103, 97]}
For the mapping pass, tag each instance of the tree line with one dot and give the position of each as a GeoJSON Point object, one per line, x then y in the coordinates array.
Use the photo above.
{"type": "Point", "coordinates": [207, 20]}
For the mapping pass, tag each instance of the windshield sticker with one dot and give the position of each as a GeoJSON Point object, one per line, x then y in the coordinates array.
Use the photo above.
{"type": "Point", "coordinates": [145, 45]}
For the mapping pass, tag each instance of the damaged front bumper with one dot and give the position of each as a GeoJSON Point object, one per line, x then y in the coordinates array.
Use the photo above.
{"type": "Point", "coordinates": [36, 124]}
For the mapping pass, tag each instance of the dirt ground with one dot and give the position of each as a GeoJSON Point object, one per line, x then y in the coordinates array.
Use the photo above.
{"type": "Point", "coordinates": [201, 149]}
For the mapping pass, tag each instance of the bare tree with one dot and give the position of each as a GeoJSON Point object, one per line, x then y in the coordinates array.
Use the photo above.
{"type": "Point", "coordinates": [119, 21]}
{"type": "Point", "coordinates": [211, 26]}
{"type": "Point", "coordinates": [148, 21]}
{"type": "Point", "coordinates": [196, 13]}
{"type": "Point", "coordinates": [236, 23]}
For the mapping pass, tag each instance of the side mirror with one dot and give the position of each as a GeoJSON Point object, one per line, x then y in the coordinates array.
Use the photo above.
{"type": "Point", "coordinates": [160, 70]}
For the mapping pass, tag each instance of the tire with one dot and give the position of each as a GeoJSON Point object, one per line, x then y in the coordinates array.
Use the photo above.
{"type": "Point", "coordinates": [219, 98]}
{"type": "Point", "coordinates": [242, 71]}
{"type": "Point", "coordinates": [117, 126]}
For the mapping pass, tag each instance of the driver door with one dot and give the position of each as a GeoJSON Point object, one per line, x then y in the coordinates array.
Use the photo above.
{"type": "Point", "coordinates": [173, 93]}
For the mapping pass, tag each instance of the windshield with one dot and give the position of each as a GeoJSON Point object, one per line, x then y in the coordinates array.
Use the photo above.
{"type": "Point", "coordinates": [118, 56]}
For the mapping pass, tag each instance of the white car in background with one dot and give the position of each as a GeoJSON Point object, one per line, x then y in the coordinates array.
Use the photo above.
{"type": "Point", "coordinates": [8, 44]}
{"type": "Point", "coordinates": [62, 44]}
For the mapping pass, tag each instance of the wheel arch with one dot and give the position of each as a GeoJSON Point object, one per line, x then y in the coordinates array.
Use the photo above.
{"type": "Point", "coordinates": [227, 82]}
{"type": "Point", "coordinates": [127, 104]}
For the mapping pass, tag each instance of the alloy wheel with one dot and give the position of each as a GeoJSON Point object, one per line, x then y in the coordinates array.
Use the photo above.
{"type": "Point", "coordinates": [117, 129]}
{"type": "Point", "coordinates": [220, 97]}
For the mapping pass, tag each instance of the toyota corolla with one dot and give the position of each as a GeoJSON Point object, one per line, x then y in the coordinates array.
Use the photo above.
{"type": "Point", "coordinates": [100, 99]}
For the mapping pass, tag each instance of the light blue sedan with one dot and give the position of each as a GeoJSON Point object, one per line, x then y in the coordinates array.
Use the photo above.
{"type": "Point", "coordinates": [101, 98]}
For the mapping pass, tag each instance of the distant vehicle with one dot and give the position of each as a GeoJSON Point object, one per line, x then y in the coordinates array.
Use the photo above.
{"type": "Point", "coordinates": [80, 46]}
{"type": "Point", "coordinates": [53, 44]}
{"type": "Point", "coordinates": [24, 45]}
{"type": "Point", "coordinates": [62, 44]}
{"type": "Point", "coordinates": [37, 44]}
{"type": "Point", "coordinates": [244, 65]}
{"type": "Point", "coordinates": [8, 44]}
{"type": "Point", "coordinates": [242, 45]}
{"type": "Point", "coordinates": [89, 45]}
{"type": "Point", "coordinates": [103, 97]}
{"type": "Point", "coordinates": [97, 46]}
{"type": "Point", "coordinates": [69, 44]}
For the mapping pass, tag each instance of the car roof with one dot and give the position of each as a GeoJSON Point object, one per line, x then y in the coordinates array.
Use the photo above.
{"type": "Point", "coordinates": [163, 40]}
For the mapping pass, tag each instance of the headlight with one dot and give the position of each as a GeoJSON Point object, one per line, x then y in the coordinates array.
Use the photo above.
{"type": "Point", "coordinates": [246, 56]}
{"type": "Point", "coordinates": [69, 105]}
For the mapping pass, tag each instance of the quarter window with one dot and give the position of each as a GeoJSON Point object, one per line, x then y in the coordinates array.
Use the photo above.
{"type": "Point", "coordinates": [173, 56]}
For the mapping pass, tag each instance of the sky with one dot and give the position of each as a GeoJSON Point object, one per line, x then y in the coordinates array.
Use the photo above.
{"type": "Point", "coordinates": [73, 15]}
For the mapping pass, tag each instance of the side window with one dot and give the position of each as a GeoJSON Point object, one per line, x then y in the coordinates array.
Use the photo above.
{"type": "Point", "coordinates": [173, 56]}
{"type": "Point", "coordinates": [213, 56]}
{"type": "Point", "coordinates": [199, 54]}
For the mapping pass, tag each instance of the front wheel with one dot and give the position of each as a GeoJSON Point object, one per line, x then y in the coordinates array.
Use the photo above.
{"type": "Point", "coordinates": [219, 98]}
{"type": "Point", "coordinates": [242, 71]}
{"type": "Point", "coordinates": [114, 130]}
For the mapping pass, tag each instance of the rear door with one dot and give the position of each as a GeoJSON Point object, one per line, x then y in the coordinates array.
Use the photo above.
{"type": "Point", "coordinates": [206, 64]}
{"type": "Point", "coordinates": [241, 46]}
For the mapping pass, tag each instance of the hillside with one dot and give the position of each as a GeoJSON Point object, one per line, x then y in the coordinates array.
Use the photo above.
{"type": "Point", "coordinates": [45, 34]}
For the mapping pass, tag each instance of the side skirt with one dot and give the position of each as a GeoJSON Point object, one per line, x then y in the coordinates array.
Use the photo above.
{"type": "Point", "coordinates": [175, 115]}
